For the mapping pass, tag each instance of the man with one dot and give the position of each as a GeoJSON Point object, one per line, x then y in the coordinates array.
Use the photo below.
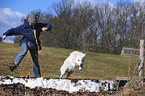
{"type": "Point", "coordinates": [30, 41]}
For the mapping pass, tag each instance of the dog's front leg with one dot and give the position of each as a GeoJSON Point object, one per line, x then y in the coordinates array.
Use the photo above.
{"type": "Point", "coordinates": [81, 66]}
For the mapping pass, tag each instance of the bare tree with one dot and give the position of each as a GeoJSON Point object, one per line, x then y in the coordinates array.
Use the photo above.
{"type": "Point", "coordinates": [102, 28]}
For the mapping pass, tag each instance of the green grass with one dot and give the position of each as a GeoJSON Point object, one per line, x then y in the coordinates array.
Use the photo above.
{"type": "Point", "coordinates": [97, 65]}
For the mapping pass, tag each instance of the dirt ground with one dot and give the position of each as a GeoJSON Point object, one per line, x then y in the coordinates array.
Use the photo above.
{"type": "Point", "coordinates": [21, 90]}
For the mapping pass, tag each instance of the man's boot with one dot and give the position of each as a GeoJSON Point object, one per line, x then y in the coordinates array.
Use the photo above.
{"type": "Point", "coordinates": [13, 67]}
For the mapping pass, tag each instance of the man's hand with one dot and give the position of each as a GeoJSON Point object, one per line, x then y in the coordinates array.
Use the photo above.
{"type": "Point", "coordinates": [4, 36]}
{"type": "Point", "coordinates": [44, 29]}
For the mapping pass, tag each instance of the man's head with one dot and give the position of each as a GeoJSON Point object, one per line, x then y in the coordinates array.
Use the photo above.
{"type": "Point", "coordinates": [32, 19]}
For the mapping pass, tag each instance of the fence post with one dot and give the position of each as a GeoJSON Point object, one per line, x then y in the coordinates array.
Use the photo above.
{"type": "Point", "coordinates": [141, 64]}
{"type": "Point", "coordinates": [122, 52]}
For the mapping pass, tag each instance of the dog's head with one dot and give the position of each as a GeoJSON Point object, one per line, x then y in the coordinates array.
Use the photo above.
{"type": "Point", "coordinates": [80, 59]}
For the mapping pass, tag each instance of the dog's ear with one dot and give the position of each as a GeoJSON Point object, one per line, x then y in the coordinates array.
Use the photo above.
{"type": "Point", "coordinates": [84, 54]}
{"type": "Point", "coordinates": [75, 53]}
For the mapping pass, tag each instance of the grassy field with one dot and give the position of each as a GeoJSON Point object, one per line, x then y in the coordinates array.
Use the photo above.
{"type": "Point", "coordinates": [97, 65]}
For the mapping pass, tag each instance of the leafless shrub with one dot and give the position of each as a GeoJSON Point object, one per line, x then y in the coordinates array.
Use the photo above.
{"type": "Point", "coordinates": [133, 88]}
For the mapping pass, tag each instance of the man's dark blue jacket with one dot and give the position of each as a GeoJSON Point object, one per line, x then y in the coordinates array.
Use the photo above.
{"type": "Point", "coordinates": [28, 32]}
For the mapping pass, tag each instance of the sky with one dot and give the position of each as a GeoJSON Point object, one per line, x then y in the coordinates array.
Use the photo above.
{"type": "Point", "coordinates": [12, 11]}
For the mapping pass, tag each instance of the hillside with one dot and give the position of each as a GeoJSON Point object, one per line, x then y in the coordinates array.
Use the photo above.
{"type": "Point", "coordinates": [97, 65]}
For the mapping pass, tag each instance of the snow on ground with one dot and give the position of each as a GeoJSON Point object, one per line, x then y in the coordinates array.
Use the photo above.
{"type": "Point", "coordinates": [62, 84]}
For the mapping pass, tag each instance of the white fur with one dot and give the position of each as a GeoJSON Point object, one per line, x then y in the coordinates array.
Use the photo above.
{"type": "Point", "coordinates": [75, 61]}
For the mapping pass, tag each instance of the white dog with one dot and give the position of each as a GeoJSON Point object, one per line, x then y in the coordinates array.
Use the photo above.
{"type": "Point", "coordinates": [75, 61]}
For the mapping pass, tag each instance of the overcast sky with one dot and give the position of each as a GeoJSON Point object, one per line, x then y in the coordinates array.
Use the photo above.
{"type": "Point", "coordinates": [11, 11]}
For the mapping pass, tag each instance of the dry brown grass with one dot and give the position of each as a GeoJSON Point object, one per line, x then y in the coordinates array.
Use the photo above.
{"type": "Point", "coordinates": [133, 88]}
{"type": "Point", "coordinates": [97, 65]}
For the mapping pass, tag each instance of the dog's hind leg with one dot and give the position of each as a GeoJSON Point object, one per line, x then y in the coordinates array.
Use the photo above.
{"type": "Point", "coordinates": [62, 72]}
{"type": "Point", "coordinates": [69, 73]}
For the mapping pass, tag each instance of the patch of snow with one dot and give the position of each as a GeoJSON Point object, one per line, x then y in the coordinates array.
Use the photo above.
{"type": "Point", "coordinates": [62, 84]}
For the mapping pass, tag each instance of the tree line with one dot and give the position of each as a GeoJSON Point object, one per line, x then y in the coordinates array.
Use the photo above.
{"type": "Point", "coordinates": [100, 28]}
